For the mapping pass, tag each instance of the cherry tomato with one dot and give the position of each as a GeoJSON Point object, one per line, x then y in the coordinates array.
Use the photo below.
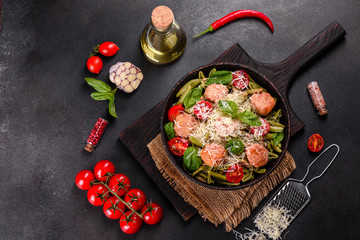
{"type": "Point", "coordinates": [240, 79]}
{"type": "Point", "coordinates": [130, 223]}
{"type": "Point", "coordinates": [178, 146]}
{"type": "Point", "coordinates": [235, 174]}
{"type": "Point", "coordinates": [174, 111]}
{"type": "Point", "coordinates": [152, 213]}
{"type": "Point", "coordinates": [315, 143]}
{"type": "Point", "coordinates": [120, 184]}
{"type": "Point", "coordinates": [135, 198]}
{"type": "Point", "coordinates": [108, 49]}
{"type": "Point", "coordinates": [113, 208]}
{"type": "Point", "coordinates": [261, 130]}
{"type": "Point", "coordinates": [102, 169]}
{"type": "Point", "coordinates": [83, 179]}
{"type": "Point", "coordinates": [202, 109]}
{"type": "Point", "coordinates": [98, 194]}
{"type": "Point", "coordinates": [94, 64]}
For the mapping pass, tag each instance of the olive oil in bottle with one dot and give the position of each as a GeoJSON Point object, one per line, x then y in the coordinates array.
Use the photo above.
{"type": "Point", "coordinates": [163, 40]}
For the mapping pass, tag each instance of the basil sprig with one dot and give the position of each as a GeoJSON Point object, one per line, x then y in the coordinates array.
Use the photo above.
{"type": "Point", "coordinates": [103, 92]}
{"type": "Point", "coordinates": [191, 160]}
{"type": "Point", "coordinates": [169, 130]}
{"type": "Point", "coordinates": [220, 77]}
{"type": "Point", "coordinates": [247, 117]}
{"type": "Point", "coordinates": [192, 97]}
{"type": "Point", "coordinates": [278, 137]}
{"type": "Point", "coordinates": [235, 146]}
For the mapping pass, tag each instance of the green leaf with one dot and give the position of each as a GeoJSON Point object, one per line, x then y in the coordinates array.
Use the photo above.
{"type": "Point", "coordinates": [249, 118]}
{"type": "Point", "coordinates": [169, 130]}
{"type": "Point", "coordinates": [98, 85]}
{"type": "Point", "coordinates": [192, 97]}
{"type": "Point", "coordinates": [191, 160]}
{"type": "Point", "coordinates": [235, 146]}
{"type": "Point", "coordinates": [220, 77]}
{"type": "Point", "coordinates": [112, 109]}
{"type": "Point", "coordinates": [228, 107]}
{"type": "Point", "coordinates": [278, 137]}
{"type": "Point", "coordinates": [98, 96]}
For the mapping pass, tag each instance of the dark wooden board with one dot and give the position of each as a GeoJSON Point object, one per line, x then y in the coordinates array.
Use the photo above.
{"type": "Point", "coordinates": [146, 128]}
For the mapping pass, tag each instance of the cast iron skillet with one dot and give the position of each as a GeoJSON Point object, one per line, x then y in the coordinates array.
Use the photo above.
{"type": "Point", "coordinates": [275, 78]}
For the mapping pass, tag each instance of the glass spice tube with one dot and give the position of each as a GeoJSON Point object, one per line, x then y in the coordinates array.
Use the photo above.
{"type": "Point", "coordinates": [317, 98]}
{"type": "Point", "coordinates": [96, 134]}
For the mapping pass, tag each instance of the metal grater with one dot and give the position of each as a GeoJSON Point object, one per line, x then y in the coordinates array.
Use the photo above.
{"type": "Point", "coordinates": [293, 194]}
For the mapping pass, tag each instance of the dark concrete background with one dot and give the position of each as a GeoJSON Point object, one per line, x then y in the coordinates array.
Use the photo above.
{"type": "Point", "coordinates": [46, 112]}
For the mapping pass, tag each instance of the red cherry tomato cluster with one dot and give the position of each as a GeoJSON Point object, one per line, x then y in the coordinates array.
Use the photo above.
{"type": "Point", "coordinates": [107, 49]}
{"type": "Point", "coordinates": [114, 192]}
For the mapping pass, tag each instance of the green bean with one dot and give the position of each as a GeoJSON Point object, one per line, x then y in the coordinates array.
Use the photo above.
{"type": "Point", "coordinates": [257, 170]}
{"type": "Point", "coordinates": [279, 145]}
{"type": "Point", "coordinates": [276, 129]}
{"type": "Point", "coordinates": [245, 170]}
{"type": "Point", "coordinates": [196, 141]}
{"type": "Point", "coordinates": [204, 176]}
{"type": "Point", "coordinates": [203, 84]}
{"type": "Point", "coordinates": [217, 175]}
{"type": "Point", "coordinates": [229, 184]}
{"type": "Point", "coordinates": [277, 115]}
{"type": "Point", "coordinates": [276, 148]}
{"type": "Point", "coordinates": [212, 71]}
{"type": "Point", "coordinates": [209, 178]}
{"type": "Point", "coordinates": [268, 146]}
{"type": "Point", "coordinates": [252, 91]}
{"type": "Point", "coordinates": [200, 179]}
{"type": "Point", "coordinates": [247, 177]}
{"type": "Point", "coordinates": [200, 169]}
{"type": "Point", "coordinates": [273, 155]}
{"type": "Point", "coordinates": [201, 75]}
{"type": "Point", "coordinates": [192, 83]}
{"type": "Point", "coordinates": [181, 100]}
{"type": "Point", "coordinates": [277, 124]}
{"type": "Point", "coordinates": [269, 136]}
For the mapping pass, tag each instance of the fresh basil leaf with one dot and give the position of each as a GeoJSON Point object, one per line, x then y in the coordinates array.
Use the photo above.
{"type": "Point", "coordinates": [249, 118]}
{"type": "Point", "coordinates": [112, 109]}
{"type": "Point", "coordinates": [220, 77]}
{"type": "Point", "coordinates": [98, 85]}
{"type": "Point", "coordinates": [192, 97]}
{"type": "Point", "coordinates": [235, 146]}
{"type": "Point", "coordinates": [228, 107]}
{"type": "Point", "coordinates": [98, 96]}
{"type": "Point", "coordinates": [278, 137]}
{"type": "Point", "coordinates": [191, 160]}
{"type": "Point", "coordinates": [169, 130]}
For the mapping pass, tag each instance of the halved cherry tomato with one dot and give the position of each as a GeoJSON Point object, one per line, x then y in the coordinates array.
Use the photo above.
{"type": "Point", "coordinates": [202, 109]}
{"type": "Point", "coordinates": [315, 143]}
{"type": "Point", "coordinates": [135, 198]}
{"type": "Point", "coordinates": [261, 130]}
{"type": "Point", "coordinates": [152, 213]}
{"type": "Point", "coordinates": [235, 174]}
{"type": "Point", "coordinates": [103, 168]}
{"type": "Point", "coordinates": [240, 79]}
{"type": "Point", "coordinates": [113, 208]}
{"type": "Point", "coordinates": [178, 146]}
{"type": "Point", "coordinates": [174, 111]}
{"type": "Point", "coordinates": [108, 49]}
{"type": "Point", "coordinates": [130, 222]}
{"type": "Point", "coordinates": [94, 64]}
{"type": "Point", "coordinates": [120, 184]}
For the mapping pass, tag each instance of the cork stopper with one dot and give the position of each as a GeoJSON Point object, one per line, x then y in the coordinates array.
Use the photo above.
{"type": "Point", "coordinates": [162, 17]}
{"type": "Point", "coordinates": [89, 147]}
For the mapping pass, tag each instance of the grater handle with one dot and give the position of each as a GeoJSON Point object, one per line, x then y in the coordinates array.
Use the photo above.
{"type": "Point", "coordinates": [332, 160]}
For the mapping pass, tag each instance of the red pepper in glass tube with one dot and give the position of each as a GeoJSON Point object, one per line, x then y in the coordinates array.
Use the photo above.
{"type": "Point", "coordinates": [96, 134]}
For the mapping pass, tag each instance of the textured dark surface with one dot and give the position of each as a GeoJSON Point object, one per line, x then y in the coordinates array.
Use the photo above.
{"type": "Point", "coordinates": [46, 112]}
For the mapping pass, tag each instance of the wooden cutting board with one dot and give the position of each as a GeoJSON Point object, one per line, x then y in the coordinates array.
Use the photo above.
{"type": "Point", "coordinates": [137, 136]}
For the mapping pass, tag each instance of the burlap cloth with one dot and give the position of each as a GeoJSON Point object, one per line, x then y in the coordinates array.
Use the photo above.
{"type": "Point", "coordinates": [228, 207]}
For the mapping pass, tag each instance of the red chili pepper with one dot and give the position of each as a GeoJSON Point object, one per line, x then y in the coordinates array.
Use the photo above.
{"type": "Point", "coordinates": [237, 15]}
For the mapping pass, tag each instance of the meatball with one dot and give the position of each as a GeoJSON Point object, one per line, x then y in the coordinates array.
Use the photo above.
{"type": "Point", "coordinates": [257, 155]}
{"type": "Point", "coordinates": [216, 92]}
{"type": "Point", "coordinates": [213, 154]}
{"type": "Point", "coordinates": [263, 103]}
{"type": "Point", "coordinates": [184, 124]}
{"type": "Point", "coordinates": [225, 126]}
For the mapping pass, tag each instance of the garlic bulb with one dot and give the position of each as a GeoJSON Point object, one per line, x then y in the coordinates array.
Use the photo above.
{"type": "Point", "coordinates": [126, 76]}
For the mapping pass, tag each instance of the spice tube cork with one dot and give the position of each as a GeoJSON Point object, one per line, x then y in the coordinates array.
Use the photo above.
{"type": "Point", "coordinates": [317, 98]}
{"type": "Point", "coordinates": [96, 134]}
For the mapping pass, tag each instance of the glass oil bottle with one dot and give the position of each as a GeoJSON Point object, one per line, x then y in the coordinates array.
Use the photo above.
{"type": "Point", "coordinates": [163, 40]}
